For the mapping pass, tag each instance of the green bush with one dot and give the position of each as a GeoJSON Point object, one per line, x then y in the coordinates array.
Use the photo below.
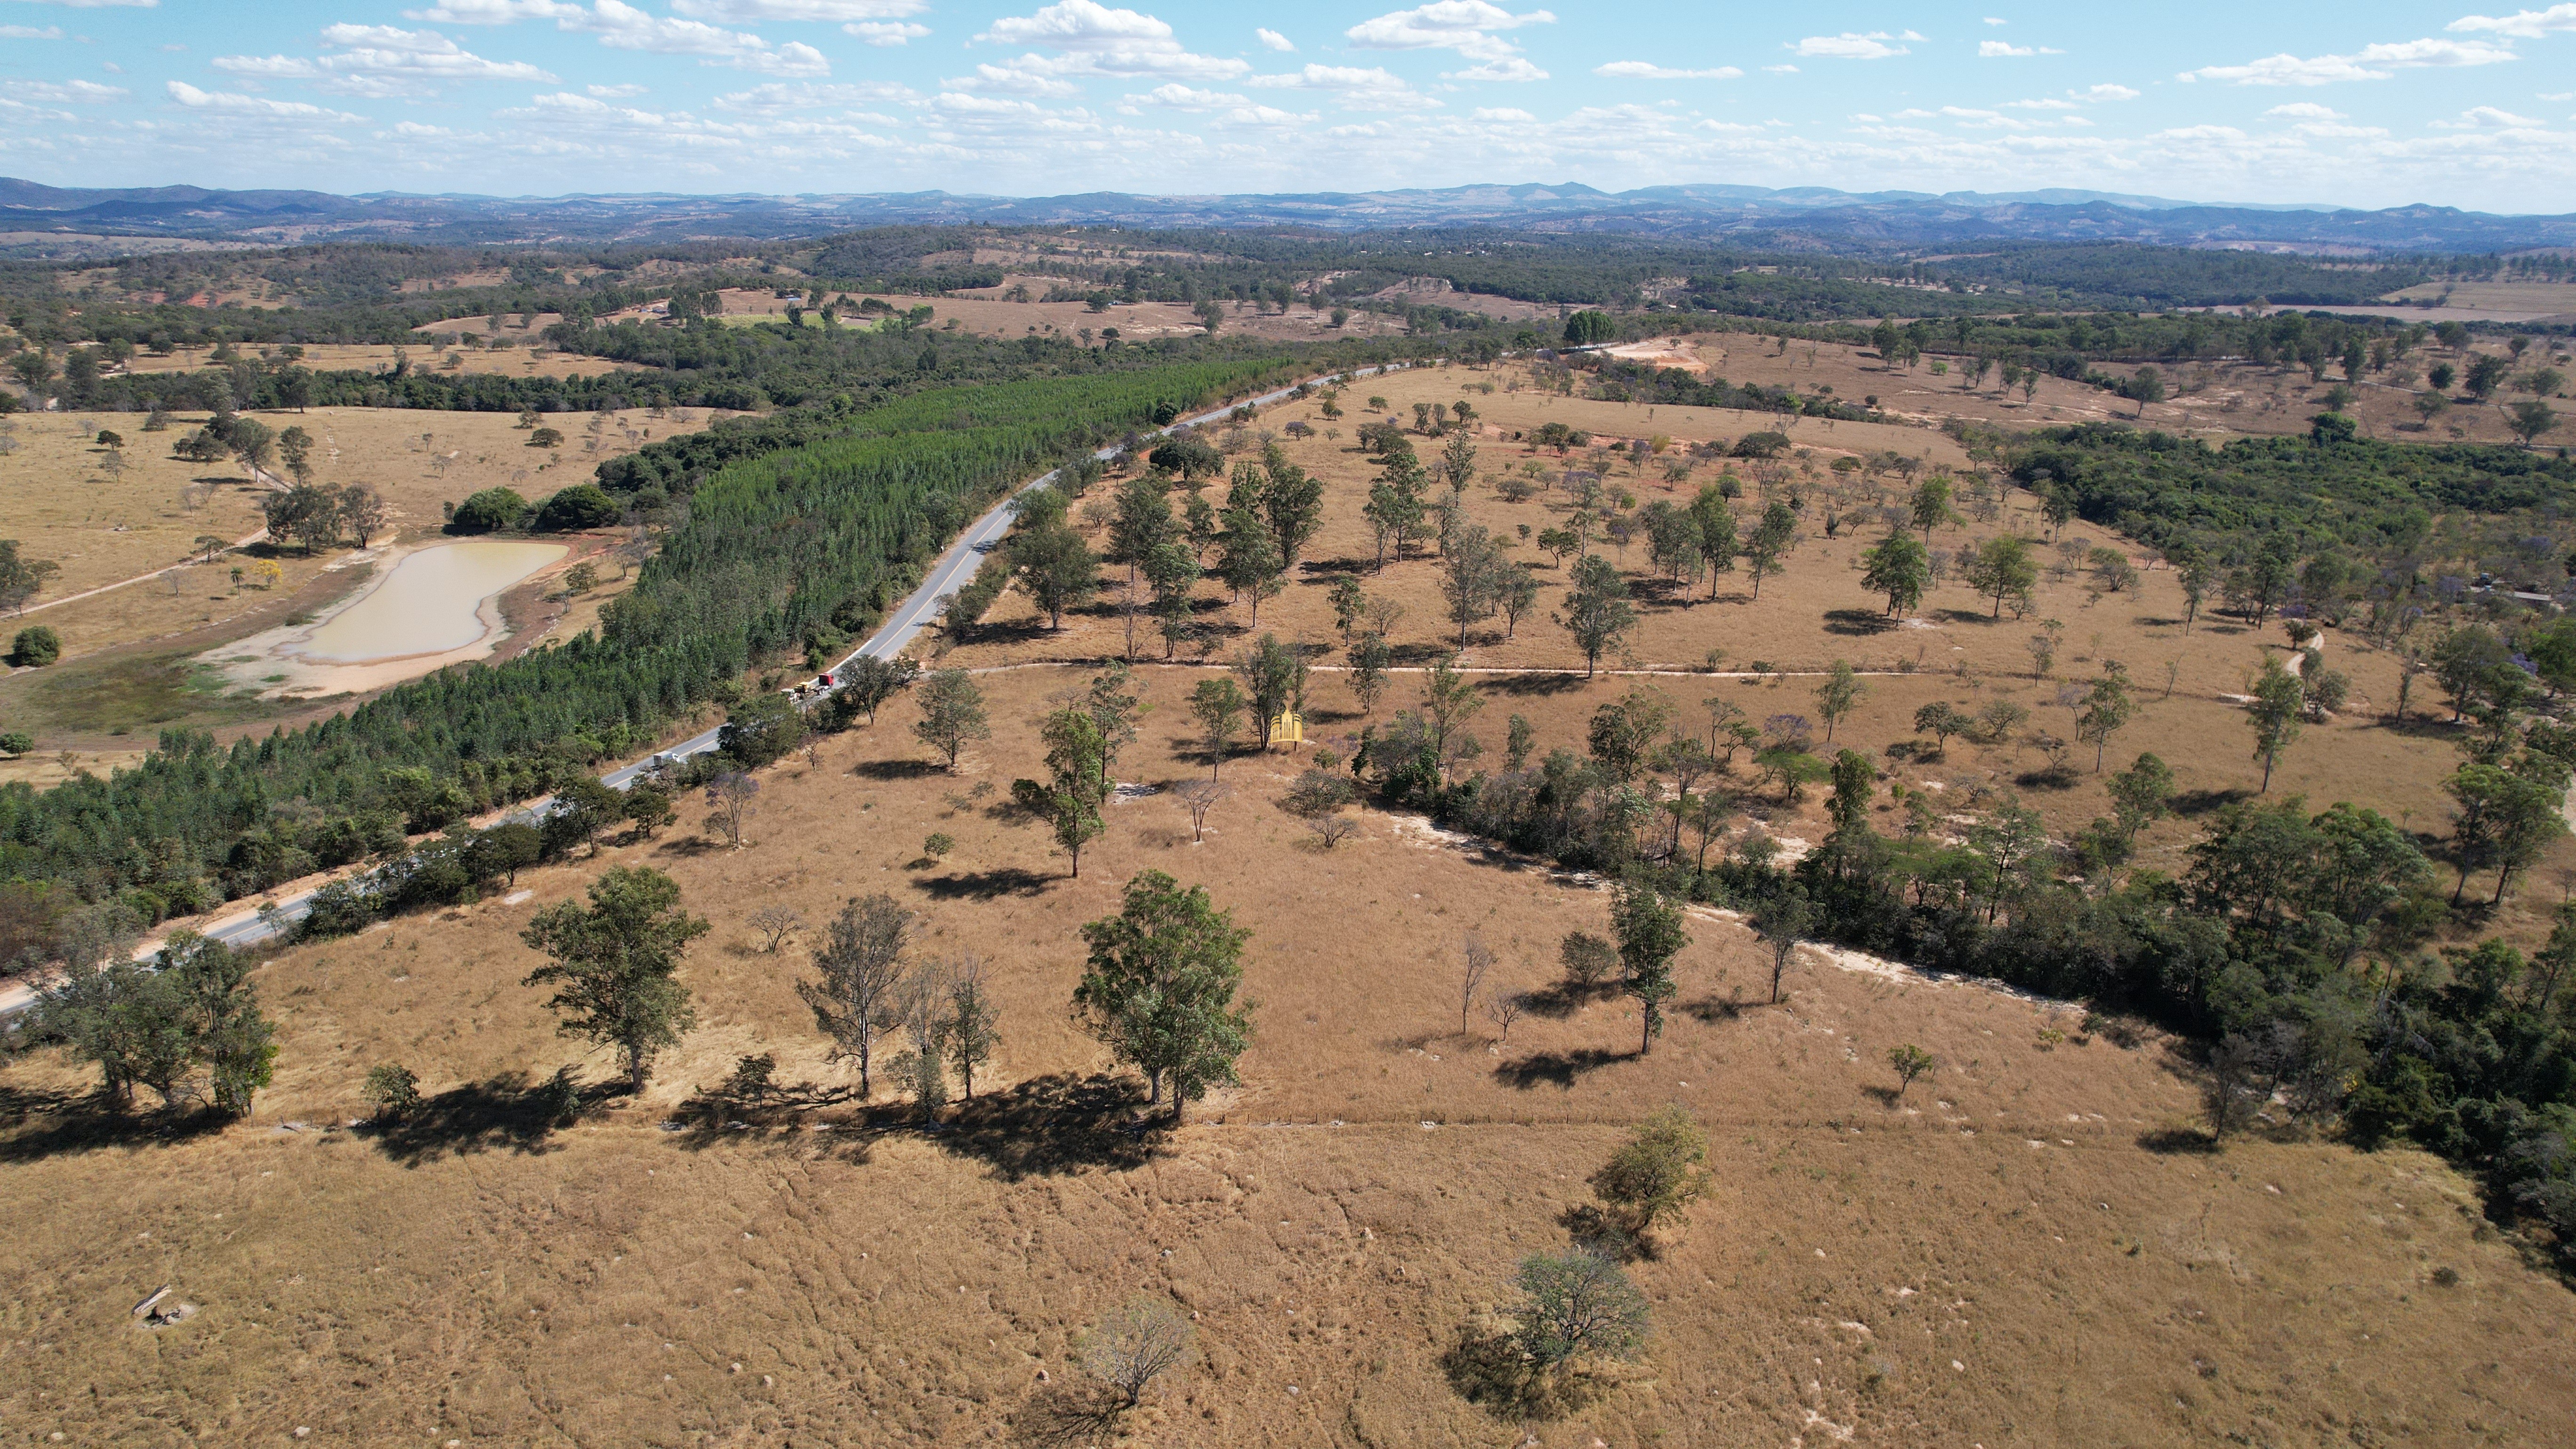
{"type": "Point", "coordinates": [489, 511]}
{"type": "Point", "coordinates": [36, 645]}
{"type": "Point", "coordinates": [14, 743]}
{"type": "Point", "coordinates": [583, 505]}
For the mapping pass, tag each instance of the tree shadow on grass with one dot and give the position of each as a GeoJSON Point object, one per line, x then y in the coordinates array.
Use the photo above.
{"type": "Point", "coordinates": [1053, 1124]}
{"type": "Point", "coordinates": [1061, 1416]}
{"type": "Point", "coordinates": [1557, 1069]}
{"type": "Point", "coordinates": [1861, 622]}
{"type": "Point", "coordinates": [1964, 616]}
{"type": "Point", "coordinates": [1710, 1010]}
{"type": "Point", "coordinates": [42, 1124]}
{"type": "Point", "coordinates": [2178, 1141]}
{"type": "Point", "coordinates": [1533, 683]}
{"type": "Point", "coordinates": [507, 1112]}
{"type": "Point", "coordinates": [986, 885]}
{"type": "Point", "coordinates": [2190, 803]}
{"type": "Point", "coordinates": [895, 769]}
{"type": "Point", "coordinates": [1489, 1369]}
{"type": "Point", "coordinates": [1560, 999]}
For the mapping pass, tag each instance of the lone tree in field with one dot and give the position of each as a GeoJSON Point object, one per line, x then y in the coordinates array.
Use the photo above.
{"type": "Point", "coordinates": [2004, 570]}
{"type": "Point", "coordinates": [1656, 1173]}
{"type": "Point", "coordinates": [1136, 1345]}
{"type": "Point", "coordinates": [1942, 719]}
{"type": "Point", "coordinates": [1783, 924]}
{"type": "Point", "coordinates": [2107, 710]}
{"type": "Point", "coordinates": [1069, 801]}
{"type": "Point", "coordinates": [952, 714]}
{"type": "Point", "coordinates": [869, 682]}
{"type": "Point", "coordinates": [1901, 568]}
{"type": "Point", "coordinates": [1199, 797]}
{"type": "Point", "coordinates": [862, 971]}
{"type": "Point", "coordinates": [1650, 934]}
{"type": "Point", "coordinates": [1597, 611]}
{"type": "Point", "coordinates": [615, 965]}
{"type": "Point", "coordinates": [1218, 705]}
{"type": "Point", "coordinates": [971, 1030]}
{"type": "Point", "coordinates": [2274, 713]}
{"type": "Point", "coordinates": [1838, 696]}
{"type": "Point", "coordinates": [1576, 1305]}
{"type": "Point", "coordinates": [1160, 988]}
{"type": "Point", "coordinates": [1909, 1061]}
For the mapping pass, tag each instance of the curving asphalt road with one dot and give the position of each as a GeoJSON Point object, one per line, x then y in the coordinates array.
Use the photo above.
{"type": "Point", "coordinates": [952, 571]}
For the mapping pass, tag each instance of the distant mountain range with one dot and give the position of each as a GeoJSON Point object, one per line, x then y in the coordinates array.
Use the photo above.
{"type": "Point", "coordinates": [1816, 216]}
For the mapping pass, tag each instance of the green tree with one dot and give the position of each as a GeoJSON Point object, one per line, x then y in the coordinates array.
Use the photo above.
{"type": "Point", "coordinates": [1901, 568]}
{"type": "Point", "coordinates": [1770, 544]}
{"type": "Point", "coordinates": [1218, 705]}
{"type": "Point", "coordinates": [1576, 1305]}
{"type": "Point", "coordinates": [1942, 719]}
{"type": "Point", "coordinates": [1650, 933]}
{"type": "Point", "coordinates": [762, 729]}
{"type": "Point", "coordinates": [489, 510]}
{"type": "Point", "coordinates": [1370, 659]}
{"type": "Point", "coordinates": [1057, 569]}
{"type": "Point", "coordinates": [1274, 679]}
{"type": "Point", "coordinates": [1589, 328]}
{"type": "Point", "coordinates": [225, 1029]}
{"type": "Point", "coordinates": [1159, 989]}
{"type": "Point", "coordinates": [2529, 419]}
{"type": "Point", "coordinates": [972, 1028]}
{"type": "Point", "coordinates": [21, 579]}
{"type": "Point", "coordinates": [1071, 798]}
{"type": "Point", "coordinates": [614, 965]}
{"type": "Point", "coordinates": [1930, 506]}
{"type": "Point", "coordinates": [2003, 569]}
{"type": "Point", "coordinates": [1597, 612]}
{"type": "Point", "coordinates": [2107, 710]}
{"type": "Point", "coordinates": [2274, 712]}
{"type": "Point", "coordinates": [37, 645]}
{"type": "Point", "coordinates": [1659, 1171]}
{"type": "Point", "coordinates": [1909, 1061]}
{"type": "Point", "coordinates": [868, 682]}
{"type": "Point", "coordinates": [952, 713]}
{"type": "Point", "coordinates": [1248, 559]}
{"type": "Point", "coordinates": [1838, 695]}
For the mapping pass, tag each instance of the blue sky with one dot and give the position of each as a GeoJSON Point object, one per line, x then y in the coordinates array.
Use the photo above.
{"type": "Point", "coordinates": [2367, 104]}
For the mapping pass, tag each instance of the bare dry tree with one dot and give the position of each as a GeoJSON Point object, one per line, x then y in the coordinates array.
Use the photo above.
{"type": "Point", "coordinates": [1475, 963]}
{"type": "Point", "coordinates": [1502, 1008]}
{"type": "Point", "coordinates": [861, 961]}
{"type": "Point", "coordinates": [1333, 829]}
{"type": "Point", "coordinates": [1135, 1345]}
{"type": "Point", "coordinates": [776, 924]}
{"type": "Point", "coordinates": [1199, 797]}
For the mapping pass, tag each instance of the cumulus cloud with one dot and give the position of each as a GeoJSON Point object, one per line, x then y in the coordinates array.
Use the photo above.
{"type": "Point", "coordinates": [1648, 70]}
{"type": "Point", "coordinates": [2106, 92]}
{"type": "Point", "coordinates": [102, 4]}
{"type": "Point", "coordinates": [1273, 40]}
{"type": "Point", "coordinates": [2041, 105]}
{"type": "Point", "coordinates": [1361, 88]}
{"type": "Point", "coordinates": [1509, 68]}
{"type": "Point", "coordinates": [1994, 49]}
{"type": "Point", "coordinates": [31, 32]}
{"type": "Point", "coordinates": [1464, 26]}
{"type": "Point", "coordinates": [779, 97]}
{"type": "Point", "coordinates": [71, 92]}
{"type": "Point", "coordinates": [1500, 113]}
{"type": "Point", "coordinates": [616, 92]}
{"type": "Point", "coordinates": [2522, 24]}
{"type": "Point", "coordinates": [381, 60]}
{"type": "Point", "coordinates": [886, 32]}
{"type": "Point", "coordinates": [1781, 69]}
{"type": "Point", "coordinates": [235, 103]}
{"type": "Point", "coordinates": [2306, 111]}
{"type": "Point", "coordinates": [621, 26]}
{"type": "Point", "coordinates": [2371, 62]}
{"type": "Point", "coordinates": [1851, 45]}
{"type": "Point", "coordinates": [829, 12]}
{"type": "Point", "coordinates": [2489, 118]}
{"type": "Point", "coordinates": [1091, 40]}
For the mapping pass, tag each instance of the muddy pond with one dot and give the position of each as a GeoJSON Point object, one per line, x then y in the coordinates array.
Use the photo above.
{"type": "Point", "coordinates": [435, 606]}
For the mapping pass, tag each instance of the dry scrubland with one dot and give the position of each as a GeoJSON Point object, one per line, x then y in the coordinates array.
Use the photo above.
{"type": "Point", "coordinates": [2003, 1257]}
{"type": "Point", "coordinates": [124, 650]}
{"type": "Point", "coordinates": [2020, 1251]}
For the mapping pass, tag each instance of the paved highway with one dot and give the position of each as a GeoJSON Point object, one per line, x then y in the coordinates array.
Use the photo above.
{"type": "Point", "coordinates": [952, 571]}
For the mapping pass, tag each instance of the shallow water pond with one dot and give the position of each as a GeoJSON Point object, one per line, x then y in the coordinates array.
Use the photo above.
{"type": "Point", "coordinates": [431, 602]}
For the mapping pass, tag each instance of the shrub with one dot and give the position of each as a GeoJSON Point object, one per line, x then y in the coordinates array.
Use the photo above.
{"type": "Point", "coordinates": [394, 1089]}
{"type": "Point", "coordinates": [1589, 960]}
{"type": "Point", "coordinates": [1577, 1305]}
{"type": "Point", "coordinates": [939, 844]}
{"type": "Point", "coordinates": [489, 511]}
{"type": "Point", "coordinates": [1657, 1172]}
{"type": "Point", "coordinates": [1136, 1345]}
{"type": "Point", "coordinates": [583, 505]}
{"type": "Point", "coordinates": [14, 743]}
{"type": "Point", "coordinates": [36, 645]}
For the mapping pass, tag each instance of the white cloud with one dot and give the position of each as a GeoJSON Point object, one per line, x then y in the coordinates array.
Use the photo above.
{"type": "Point", "coordinates": [1459, 25]}
{"type": "Point", "coordinates": [1500, 113]}
{"type": "Point", "coordinates": [496, 12]}
{"type": "Point", "coordinates": [1994, 49]}
{"type": "Point", "coordinates": [1648, 70]}
{"type": "Point", "coordinates": [2306, 111]}
{"type": "Point", "coordinates": [69, 92]}
{"type": "Point", "coordinates": [1849, 46]}
{"type": "Point", "coordinates": [238, 104]}
{"type": "Point", "coordinates": [101, 4]}
{"type": "Point", "coordinates": [2041, 105]}
{"type": "Point", "coordinates": [886, 32]}
{"type": "Point", "coordinates": [1510, 68]}
{"type": "Point", "coordinates": [1990, 20]}
{"type": "Point", "coordinates": [1783, 69]}
{"type": "Point", "coordinates": [1371, 88]}
{"type": "Point", "coordinates": [1178, 97]}
{"type": "Point", "coordinates": [828, 12]}
{"type": "Point", "coordinates": [621, 26]}
{"type": "Point", "coordinates": [1988, 120]}
{"type": "Point", "coordinates": [779, 97]}
{"type": "Point", "coordinates": [1091, 40]}
{"type": "Point", "coordinates": [30, 32]}
{"type": "Point", "coordinates": [616, 92]}
{"type": "Point", "coordinates": [2106, 92]}
{"type": "Point", "coordinates": [2522, 24]}
{"type": "Point", "coordinates": [2371, 62]}
{"type": "Point", "coordinates": [1274, 40]}
{"type": "Point", "coordinates": [382, 60]}
{"type": "Point", "coordinates": [2488, 118]}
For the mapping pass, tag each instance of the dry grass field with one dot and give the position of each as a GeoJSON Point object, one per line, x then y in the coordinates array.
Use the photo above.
{"type": "Point", "coordinates": [2017, 1252]}
{"type": "Point", "coordinates": [60, 503]}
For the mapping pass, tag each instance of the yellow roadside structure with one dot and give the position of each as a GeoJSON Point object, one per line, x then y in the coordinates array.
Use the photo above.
{"type": "Point", "coordinates": [1287, 728]}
